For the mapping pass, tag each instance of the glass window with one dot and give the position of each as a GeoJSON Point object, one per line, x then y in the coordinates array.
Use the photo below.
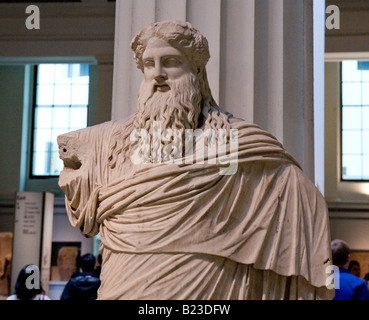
{"type": "Point", "coordinates": [61, 104]}
{"type": "Point", "coordinates": [355, 120]}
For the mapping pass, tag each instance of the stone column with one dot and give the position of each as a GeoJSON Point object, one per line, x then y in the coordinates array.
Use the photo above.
{"type": "Point", "coordinates": [266, 65]}
{"type": "Point", "coordinates": [286, 77]}
{"type": "Point", "coordinates": [101, 77]}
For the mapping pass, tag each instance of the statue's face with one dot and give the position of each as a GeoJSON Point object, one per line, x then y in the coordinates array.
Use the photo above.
{"type": "Point", "coordinates": [163, 63]}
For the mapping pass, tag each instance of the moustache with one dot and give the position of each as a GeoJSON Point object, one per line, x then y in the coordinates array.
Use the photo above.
{"type": "Point", "coordinates": [149, 89]}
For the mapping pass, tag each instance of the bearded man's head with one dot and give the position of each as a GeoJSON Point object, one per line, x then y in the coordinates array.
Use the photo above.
{"type": "Point", "coordinates": [171, 56]}
{"type": "Point", "coordinates": [175, 89]}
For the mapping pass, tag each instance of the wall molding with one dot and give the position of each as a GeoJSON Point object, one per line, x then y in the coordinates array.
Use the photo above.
{"type": "Point", "coordinates": [339, 56]}
{"type": "Point", "coordinates": [349, 5]}
{"type": "Point", "coordinates": [348, 209]}
{"type": "Point", "coordinates": [85, 21]}
{"type": "Point", "coordinates": [60, 9]}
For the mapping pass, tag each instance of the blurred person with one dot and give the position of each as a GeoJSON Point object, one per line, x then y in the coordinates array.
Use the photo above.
{"type": "Point", "coordinates": [23, 291]}
{"type": "Point", "coordinates": [349, 287]}
{"type": "Point", "coordinates": [354, 268]}
{"type": "Point", "coordinates": [83, 285]}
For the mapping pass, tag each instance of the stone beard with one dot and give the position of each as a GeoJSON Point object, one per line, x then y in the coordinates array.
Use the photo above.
{"type": "Point", "coordinates": [178, 109]}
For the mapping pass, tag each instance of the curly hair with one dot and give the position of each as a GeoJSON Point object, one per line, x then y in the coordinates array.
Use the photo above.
{"type": "Point", "coordinates": [181, 35]}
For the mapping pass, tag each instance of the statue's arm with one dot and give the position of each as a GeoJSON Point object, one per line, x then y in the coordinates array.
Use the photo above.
{"type": "Point", "coordinates": [77, 179]}
{"type": "Point", "coordinates": [87, 169]}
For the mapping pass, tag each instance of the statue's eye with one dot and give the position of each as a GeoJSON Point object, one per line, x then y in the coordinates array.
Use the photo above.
{"type": "Point", "coordinates": [149, 63]}
{"type": "Point", "coordinates": [172, 62]}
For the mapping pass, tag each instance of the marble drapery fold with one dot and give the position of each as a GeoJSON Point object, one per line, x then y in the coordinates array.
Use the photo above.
{"type": "Point", "coordinates": [267, 220]}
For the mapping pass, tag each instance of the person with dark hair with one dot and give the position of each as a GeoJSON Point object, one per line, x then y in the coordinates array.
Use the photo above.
{"type": "Point", "coordinates": [31, 290]}
{"type": "Point", "coordinates": [82, 285]}
{"type": "Point", "coordinates": [347, 286]}
{"type": "Point", "coordinates": [354, 268]}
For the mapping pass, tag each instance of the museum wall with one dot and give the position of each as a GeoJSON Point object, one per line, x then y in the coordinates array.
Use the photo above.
{"type": "Point", "coordinates": [353, 34]}
{"type": "Point", "coordinates": [348, 201]}
{"type": "Point", "coordinates": [69, 32]}
{"type": "Point", "coordinates": [11, 104]}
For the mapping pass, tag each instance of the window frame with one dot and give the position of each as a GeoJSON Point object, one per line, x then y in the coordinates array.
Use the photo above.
{"type": "Point", "coordinates": [48, 183]}
{"type": "Point", "coordinates": [33, 107]}
{"type": "Point", "coordinates": [341, 125]}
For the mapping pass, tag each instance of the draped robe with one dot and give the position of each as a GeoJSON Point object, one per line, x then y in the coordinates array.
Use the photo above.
{"type": "Point", "coordinates": [185, 231]}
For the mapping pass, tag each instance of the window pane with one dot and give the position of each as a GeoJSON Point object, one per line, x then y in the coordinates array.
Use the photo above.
{"type": "Point", "coordinates": [366, 167]}
{"type": "Point", "coordinates": [56, 164]}
{"type": "Point", "coordinates": [365, 117]}
{"type": "Point", "coordinates": [81, 75]}
{"type": "Point", "coordinates": [60, 117]}
{"type": "Point", "coordinates": [351, 167]}
{"type": "Point", "coordinates": [351, 118]}
{"type": "Point", "coordinates": [46, 74]}
{"type": "Point", "coordinates": [63, 74]}
{"type": "Point", "coordinates": [355, 120]}
{"type": "Point", "coordinates": [351, 142]}
{"type": "Point", "coordinates": [366, 142]}
{"type": "Point", "coordinates": [351, 94]}
{"type": "Point", "coordinates": [62, 95]}
{"type": "Point", "coordinates": [61, 106]}
{"type": "Point", "coordinates": [80, 94]}
{"type": "Point", "coordinates": [40, 163]}
{"type": "Point", "coordinates": [42, 140]}
{"type": "Point", "coordinates": [43, 117]}
{"type": "Point", "coordinates": [350, 71]}
{"type": "Point", "coordinates": [366, 94]}
{"type": "Point", "coordinates": [45, 94]}
{"type": "Point", "coordinates": [78, 117]}
{"type": "Point", "coordinates": [365, 75]}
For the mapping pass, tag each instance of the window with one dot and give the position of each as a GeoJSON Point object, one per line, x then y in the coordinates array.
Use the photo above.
{"type": "Point", "coordinates": [355, 120]}
{"type": "Point", "coordinates": [60, 106]}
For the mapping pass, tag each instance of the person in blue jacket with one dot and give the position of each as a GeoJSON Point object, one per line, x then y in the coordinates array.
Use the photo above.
{"type": "Point", "coordinates": [347, 286]}
{"type": "Point", "coordinates": [83, 285]}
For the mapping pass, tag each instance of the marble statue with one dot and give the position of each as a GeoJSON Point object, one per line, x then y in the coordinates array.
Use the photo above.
{"type": "Point", "coordinates": [190, 201]}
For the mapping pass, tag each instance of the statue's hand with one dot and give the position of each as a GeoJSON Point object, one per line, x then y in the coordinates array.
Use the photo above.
{"type": "Point", "coordinates": [75, 157]}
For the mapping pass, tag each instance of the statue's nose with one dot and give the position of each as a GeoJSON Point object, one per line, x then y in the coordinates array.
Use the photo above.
{"type": "Point", "coordinates": [160, 74]}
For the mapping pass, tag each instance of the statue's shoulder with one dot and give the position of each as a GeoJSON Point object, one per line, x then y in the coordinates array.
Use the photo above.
{"type": "Point", "coordinates": [246, 128]}
{"type": "Point", "coordinates": [98, 131]}
{"type": "Point", "coordinates": [255, 140]}
{"type": "Point", "coordinates": [113, 125]}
